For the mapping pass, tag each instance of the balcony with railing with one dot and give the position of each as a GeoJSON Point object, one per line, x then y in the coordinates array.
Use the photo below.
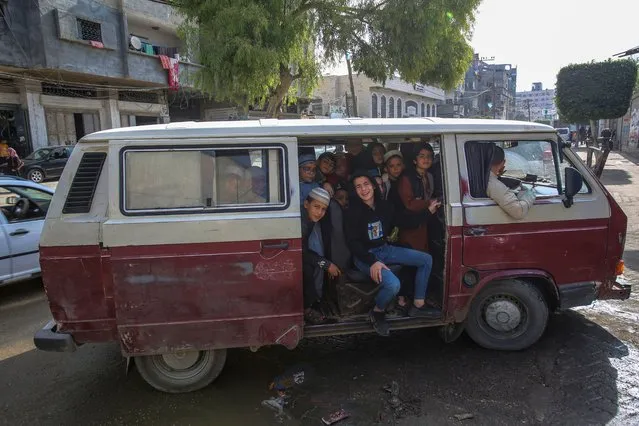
{"type": "Point", "coordinates": [148, 42]}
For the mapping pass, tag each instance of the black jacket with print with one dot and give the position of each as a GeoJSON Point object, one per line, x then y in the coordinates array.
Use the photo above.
{"type": "Point", "coordinates": [368, 228]}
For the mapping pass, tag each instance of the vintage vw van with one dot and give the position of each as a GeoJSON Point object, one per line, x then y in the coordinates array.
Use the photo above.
{"type": "Point", "coordinates": [180, 241]}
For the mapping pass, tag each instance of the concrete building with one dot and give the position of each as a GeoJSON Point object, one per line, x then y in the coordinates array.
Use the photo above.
{"type": "Point", "coordinates": [396, 98]}
{"type": "Point", "coordinates": [71, 67]}
{"type": "Point", "coordinates": [537, 104]}
{"type": "Point", "coordinates": [488, 91]}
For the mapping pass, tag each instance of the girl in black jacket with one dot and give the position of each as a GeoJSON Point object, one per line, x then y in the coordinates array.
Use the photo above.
{"type": "Point", "coordinates": [369, 221]}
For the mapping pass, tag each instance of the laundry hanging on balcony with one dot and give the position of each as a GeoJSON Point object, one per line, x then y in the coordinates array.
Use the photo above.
{"type": "Point", "coordinates": [173, 66]}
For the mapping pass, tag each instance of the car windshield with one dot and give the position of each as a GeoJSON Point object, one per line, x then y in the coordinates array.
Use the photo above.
{"type": "Point", "coordinates": [40, 154]}
{"type": "Point", "coordinates": [32, 194]}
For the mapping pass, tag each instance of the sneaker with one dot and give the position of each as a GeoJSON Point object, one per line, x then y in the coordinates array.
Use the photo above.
{"type": "Point", "coordinates": [424, 312]}
{"type": "Point", "coordinates": [378, 319]}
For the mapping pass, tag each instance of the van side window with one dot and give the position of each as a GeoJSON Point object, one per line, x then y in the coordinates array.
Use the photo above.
{"type": "Point", "coordinates": [197, 179]}
{"type": "Point", "coordinates": [527, 162]}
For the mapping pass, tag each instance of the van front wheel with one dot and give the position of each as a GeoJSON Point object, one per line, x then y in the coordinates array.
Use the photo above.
{"type": "Point", "coordinates": [183, 371]}
{"type": "Point", "coordinates": [507, 315]}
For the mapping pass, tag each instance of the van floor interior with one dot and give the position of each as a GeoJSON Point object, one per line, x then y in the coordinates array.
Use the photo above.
{"type": "Point", "coordinates": [348, 300]}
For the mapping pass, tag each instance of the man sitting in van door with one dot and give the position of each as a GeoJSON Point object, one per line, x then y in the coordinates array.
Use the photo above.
{"type": "Point", "coordinates": [516, 205]}
{"type": "Point", "coordinates": [315, 248]}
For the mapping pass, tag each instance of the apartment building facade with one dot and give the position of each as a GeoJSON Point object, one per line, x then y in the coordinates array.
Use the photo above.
{"type": "Point", "coordinates": [537, 104]}
{"type": "Point", "coordinates": [72, 67]}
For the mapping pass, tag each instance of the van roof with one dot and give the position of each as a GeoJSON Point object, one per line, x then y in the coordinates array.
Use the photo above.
{"type": "Point", "coordinates": [316, 128]}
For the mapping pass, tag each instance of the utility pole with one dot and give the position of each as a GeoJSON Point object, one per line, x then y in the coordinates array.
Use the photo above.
{"type": "Point", "coordinates": [528, 105]}
{"type": "Point", "coordinates": [350, 79]}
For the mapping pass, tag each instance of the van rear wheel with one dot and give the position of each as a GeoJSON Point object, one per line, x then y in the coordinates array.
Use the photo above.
{"type": "Point", "coordinates": [183, 371]}
{"type": "Point", "coordinates": [507, 315]}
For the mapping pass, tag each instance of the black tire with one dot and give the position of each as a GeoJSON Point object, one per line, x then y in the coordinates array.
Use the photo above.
{"type": "Point", "coordinates": [159, 370]}
{"type": "Point", "coordinates": [36, 175]}
{"type": "Point", "coordinates": [507, 315]}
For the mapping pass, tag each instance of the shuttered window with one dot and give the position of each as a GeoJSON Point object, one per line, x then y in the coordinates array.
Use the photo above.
{"type": "Point", "coordinates": [84, 183]}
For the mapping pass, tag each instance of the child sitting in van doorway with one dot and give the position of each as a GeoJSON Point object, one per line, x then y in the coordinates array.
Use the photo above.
{"type": "Point", "coordinates": [369, 221]}
{"type": "Point", "coordinates": [308, 172]}
{"type": "Point", "coordinates": [315, 247]}
{"type": "Point", "coordinates": [517, 206]}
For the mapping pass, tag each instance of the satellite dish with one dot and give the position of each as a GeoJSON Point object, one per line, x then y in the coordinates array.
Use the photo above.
{"type": "Point", "coordinates": [136, 43]}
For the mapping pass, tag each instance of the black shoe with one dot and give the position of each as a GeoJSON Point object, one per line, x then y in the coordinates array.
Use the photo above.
{"type": "Point", "coordinates": [424, 312]}
{"type": "Point", "coordinates": [378, 319]}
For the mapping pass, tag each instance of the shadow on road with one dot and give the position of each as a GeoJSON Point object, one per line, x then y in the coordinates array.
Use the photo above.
{"type": "Point", "coordinates": [16, 292]}
{"type": "Point", "coordinates": [616, 177]}
{"type": "Point", "coordinates": [570, 377]}
{"type": "Point", "coordinates": [631, 259]}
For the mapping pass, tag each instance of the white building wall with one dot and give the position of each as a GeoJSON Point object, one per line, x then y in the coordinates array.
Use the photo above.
{"type": "Point", "coordinates": [332, 90]}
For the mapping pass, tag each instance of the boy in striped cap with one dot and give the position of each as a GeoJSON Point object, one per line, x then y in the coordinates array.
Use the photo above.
{"type": "Point", "coordinates": [315, 252]}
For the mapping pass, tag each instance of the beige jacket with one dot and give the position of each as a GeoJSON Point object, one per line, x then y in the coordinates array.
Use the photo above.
{"type": "Point", "coordinates": [516, 205]}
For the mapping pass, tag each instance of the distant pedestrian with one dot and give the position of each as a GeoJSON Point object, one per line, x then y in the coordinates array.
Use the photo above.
{"type": "Point", "coordinates": [10, 160]}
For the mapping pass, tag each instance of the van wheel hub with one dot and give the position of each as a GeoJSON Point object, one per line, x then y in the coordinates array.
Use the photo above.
{"type": "Point", "coordinates": [181, 360]}
{"type": "Point", "coordinates": [503, 314]}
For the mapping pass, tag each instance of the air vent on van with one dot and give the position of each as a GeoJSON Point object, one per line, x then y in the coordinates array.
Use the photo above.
{"type": "Point", "coordinates": [84, 183]}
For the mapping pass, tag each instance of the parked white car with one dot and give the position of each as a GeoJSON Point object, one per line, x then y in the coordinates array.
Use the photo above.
{"type": "Point", "coordinates": [23, 207]}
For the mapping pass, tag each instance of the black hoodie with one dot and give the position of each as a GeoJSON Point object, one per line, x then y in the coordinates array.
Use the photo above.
{"type": "Point", "coordinates": [368, 228]}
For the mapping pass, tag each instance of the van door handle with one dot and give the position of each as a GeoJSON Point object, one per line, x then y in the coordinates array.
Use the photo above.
{"type": "Point", "coordinates": [275, 246]}
{"type": "Point", "coordinates": [19, 232]}
{"type": "Point", "coordinates": [475, 232]}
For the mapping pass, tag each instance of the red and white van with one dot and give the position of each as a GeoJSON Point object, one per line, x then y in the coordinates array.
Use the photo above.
{"type": "Point", "coordinates": [148, 244]}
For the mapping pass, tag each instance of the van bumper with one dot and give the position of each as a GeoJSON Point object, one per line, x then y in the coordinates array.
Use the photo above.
{"type": "Point", "coordinates": [49, 339]}
{"type": "Point", "coordinates": [616, 289]}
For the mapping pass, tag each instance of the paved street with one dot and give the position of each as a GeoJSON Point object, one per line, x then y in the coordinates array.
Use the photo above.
{"type": "Point", "coordinates": [585, 370]}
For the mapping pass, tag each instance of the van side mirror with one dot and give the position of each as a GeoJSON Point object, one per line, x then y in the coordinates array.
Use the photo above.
{"type": "Point", "coordinates": [574, 182]}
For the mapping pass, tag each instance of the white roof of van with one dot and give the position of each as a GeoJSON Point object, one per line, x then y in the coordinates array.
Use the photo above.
{"type": "Point", "coordinates": [317, 128]}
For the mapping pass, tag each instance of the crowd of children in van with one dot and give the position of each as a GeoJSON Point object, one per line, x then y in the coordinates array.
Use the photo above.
{"type": "Point", "coordinates": [379, 204]}
{"type": "Point", "coordinates": [376, 206]}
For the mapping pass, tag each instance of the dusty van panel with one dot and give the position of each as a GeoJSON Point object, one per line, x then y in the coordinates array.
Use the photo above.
{"type": "Point", "coordinates": [77, 286]}
{"type": "Point", "coordinates": [193, 267]}
{"type": "Point", "coordinates": [206, 296]}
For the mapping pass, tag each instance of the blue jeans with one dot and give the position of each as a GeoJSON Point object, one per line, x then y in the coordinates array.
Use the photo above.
{"type": "Point", "coordinates": [391, 255]}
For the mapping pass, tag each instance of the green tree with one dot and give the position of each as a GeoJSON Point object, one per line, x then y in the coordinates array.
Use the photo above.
{"type": "Point", "coordinates": [594, 91]}
{"type": "Point", "coordinates": [270, 50]}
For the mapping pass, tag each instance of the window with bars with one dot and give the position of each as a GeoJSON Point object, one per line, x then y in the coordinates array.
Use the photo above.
{"type": "Point", "coordinates": [88, 30]}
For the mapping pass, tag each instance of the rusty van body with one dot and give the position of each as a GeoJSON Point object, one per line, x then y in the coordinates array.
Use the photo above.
{"type": "Point", "coordinates": [145, 244]}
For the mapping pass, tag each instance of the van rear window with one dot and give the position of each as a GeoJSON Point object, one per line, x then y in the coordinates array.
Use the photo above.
{"type": "Point", "coordinates": [201, 179]}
